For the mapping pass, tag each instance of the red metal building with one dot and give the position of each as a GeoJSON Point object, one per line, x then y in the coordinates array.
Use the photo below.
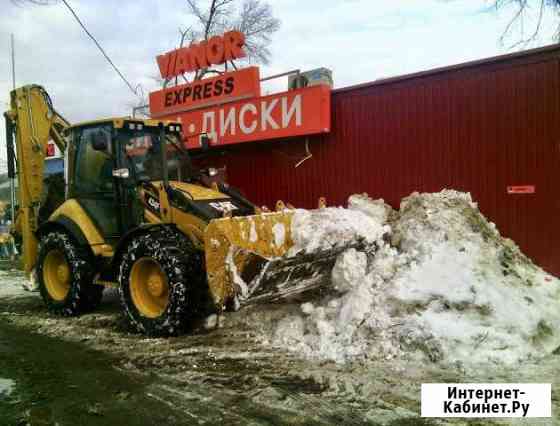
{"type": "Point", "coordinates": [478, 127]}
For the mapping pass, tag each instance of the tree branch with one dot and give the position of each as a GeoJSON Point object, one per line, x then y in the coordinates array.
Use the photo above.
{"type": "Point", "coordinates": [523, 6]}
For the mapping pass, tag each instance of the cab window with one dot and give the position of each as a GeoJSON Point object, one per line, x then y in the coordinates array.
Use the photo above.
{"type": "Point", "coordinates": [94, 167]}
{"type": "Point", "coordinates": [143, 152]}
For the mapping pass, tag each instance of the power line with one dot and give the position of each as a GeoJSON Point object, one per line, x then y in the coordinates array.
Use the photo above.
{"type": "Point", "coordinates": [132, 89]}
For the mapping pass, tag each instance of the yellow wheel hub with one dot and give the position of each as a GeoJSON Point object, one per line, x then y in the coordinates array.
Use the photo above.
{"type": "Point", "coordinates": [56, 275]}
{"type": "Point", "coordinates": [149, 288]}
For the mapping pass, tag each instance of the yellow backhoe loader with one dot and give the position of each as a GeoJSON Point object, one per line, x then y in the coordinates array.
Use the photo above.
{"type": "Point", "coordinates": [138, 216]}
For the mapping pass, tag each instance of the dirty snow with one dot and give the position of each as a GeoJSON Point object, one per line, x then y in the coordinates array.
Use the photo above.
{"type": "Point", "coordinates": [332, 227]}
{"type": "Point", "coordinates": [12, 283]}
{"type": "Point", "coordinates": [6, 387]}
{"type": "Point", "coordinates": [233, 378]}
{"type": "Point", "coordinates": [377, 210]}
{"type": "Point", "coordinates": [443, 285]}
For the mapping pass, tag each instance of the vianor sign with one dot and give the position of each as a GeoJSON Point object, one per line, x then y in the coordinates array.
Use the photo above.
{"type": "Point", "coordinates": [229, 108]}
{"type": "Point", "coordinates": [215, 51]}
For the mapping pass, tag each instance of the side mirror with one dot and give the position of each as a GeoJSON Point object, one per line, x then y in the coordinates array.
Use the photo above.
{"type": "Point", "coordinates": [204, 141]}
{"type": "Point", "coordinates": [99, 141]}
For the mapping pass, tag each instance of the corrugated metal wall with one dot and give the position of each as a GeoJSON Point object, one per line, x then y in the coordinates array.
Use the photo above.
{"type": "Point", "coordinates": [477, 127]}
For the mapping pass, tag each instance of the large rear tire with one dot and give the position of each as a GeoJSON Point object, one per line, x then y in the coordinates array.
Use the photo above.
{"type": "Point", "coordinates": [159, 276]}
{"type": "Point", "coordinates": [65, 276]}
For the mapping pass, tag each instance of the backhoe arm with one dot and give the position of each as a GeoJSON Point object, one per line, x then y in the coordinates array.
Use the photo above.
{"type": "Point", "coordinates": [30, 123]}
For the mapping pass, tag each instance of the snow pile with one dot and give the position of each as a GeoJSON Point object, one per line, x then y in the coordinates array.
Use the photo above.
{"type": "Point", "coordinates": [333, 227]}
{"type": "Point", "coordinates": [375, 209]}
{"type": "Point", "coordinates": [443, 285]}
{"type": "Point", "coordinates": [311, 232]}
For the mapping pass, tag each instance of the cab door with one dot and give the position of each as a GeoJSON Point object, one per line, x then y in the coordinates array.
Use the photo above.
{"type": "Point", "coordinates": [92, 183]}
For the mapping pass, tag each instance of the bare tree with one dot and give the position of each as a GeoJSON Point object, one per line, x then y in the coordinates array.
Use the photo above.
{"type": "Point", "coordinates": [258, 24]}
{"type": "Point", "coordinates": [253, 18]}
{"type": "Point", "coordinates": [532, 10]}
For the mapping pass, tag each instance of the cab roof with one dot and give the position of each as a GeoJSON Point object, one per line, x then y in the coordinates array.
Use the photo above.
{"type": "Point", "coordinates": [120, 122]}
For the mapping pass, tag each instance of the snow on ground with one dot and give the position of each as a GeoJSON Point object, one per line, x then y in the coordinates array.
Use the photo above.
{"type": "Point", "coordinates": [12, 283]}
{"type": "Point", "coordinates": [6, 387]}
{"type": "Point", "coordinates": [443, 285]}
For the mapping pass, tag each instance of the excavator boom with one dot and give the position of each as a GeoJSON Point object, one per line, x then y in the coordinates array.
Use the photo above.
{"type": "Point", "coordinates": [31, 122]}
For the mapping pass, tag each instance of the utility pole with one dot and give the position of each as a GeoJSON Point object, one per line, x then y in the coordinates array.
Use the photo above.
{"type": "Point", "coordinates": [12, 185]}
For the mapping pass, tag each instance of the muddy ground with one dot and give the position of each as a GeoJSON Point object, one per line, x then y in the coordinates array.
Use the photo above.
{"type": "Point", "coordinates": [91, 370]}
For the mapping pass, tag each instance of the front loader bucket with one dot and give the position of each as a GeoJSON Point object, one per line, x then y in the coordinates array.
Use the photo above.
{"type": "Point", "coordinates": [249, 259]}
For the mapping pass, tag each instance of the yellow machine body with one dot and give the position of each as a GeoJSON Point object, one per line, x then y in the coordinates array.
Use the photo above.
{"type": "Point", "coordinates": [242, 247]}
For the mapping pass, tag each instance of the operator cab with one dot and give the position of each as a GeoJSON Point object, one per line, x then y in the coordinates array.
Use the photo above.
{"type": "Point", "coordinates": [108, 159]}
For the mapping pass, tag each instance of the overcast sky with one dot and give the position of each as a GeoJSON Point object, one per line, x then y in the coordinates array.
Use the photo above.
{"type": "Point", "coordinates": [360, 40]}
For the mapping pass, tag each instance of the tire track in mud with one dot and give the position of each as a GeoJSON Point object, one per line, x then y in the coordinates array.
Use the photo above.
{"type": "Point", "coordinates": [225, 375]}
{"type": "Point", "coordinates": [64, 383]}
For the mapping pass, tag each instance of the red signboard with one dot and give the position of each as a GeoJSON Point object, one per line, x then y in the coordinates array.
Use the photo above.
{"type": "Point", "coordinates": [227, 87]}
{"type": "Point", "coordinates": [521, 189]}
{"type": "Point", "coordinates": [214, 51]}
{"type": "Point", "coordinates": [229, 109]}
{"type": "Point", "coordinates": [294, 113]}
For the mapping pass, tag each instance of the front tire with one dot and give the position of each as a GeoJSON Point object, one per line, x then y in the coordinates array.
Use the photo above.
{"type": "Point", "coordinates": [158, 276]}
{"type": "Point", "coordinates": [65, 276]}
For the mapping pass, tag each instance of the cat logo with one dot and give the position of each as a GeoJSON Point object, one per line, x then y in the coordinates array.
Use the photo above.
{"type": "Point", "coordinates": [223, 206]}
{"type": "Point", "coordinates": [153, 204]}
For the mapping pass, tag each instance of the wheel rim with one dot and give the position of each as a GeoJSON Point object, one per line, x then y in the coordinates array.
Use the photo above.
{"type": "Point", "coordinates": [56, 275]}
{"type": "Point", "coordinates": [149, 288]}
